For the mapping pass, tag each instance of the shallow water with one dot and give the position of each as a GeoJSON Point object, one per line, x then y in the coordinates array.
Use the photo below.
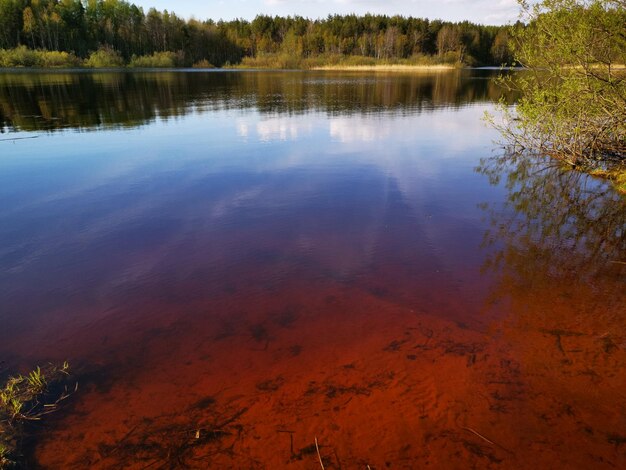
{"type": "Point", "coordinates": [238, 263]}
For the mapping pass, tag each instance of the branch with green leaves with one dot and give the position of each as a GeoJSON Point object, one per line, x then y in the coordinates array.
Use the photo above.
{"type": "Point", "coordinates": [573, 89]}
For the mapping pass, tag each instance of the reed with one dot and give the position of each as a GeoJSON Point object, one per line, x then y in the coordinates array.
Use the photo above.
{"type": "Point", "coordinates": [26, 399]}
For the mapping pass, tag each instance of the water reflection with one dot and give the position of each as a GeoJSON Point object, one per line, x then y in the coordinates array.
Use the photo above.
{"type": "Point", "coordinates": [88, 100]}
{"type": "Point", "coordinates": [556, 224]}
{"type": "Point", "coordinates": [557, 248]}
{"type": "Point", "coordinates": [350, 198]}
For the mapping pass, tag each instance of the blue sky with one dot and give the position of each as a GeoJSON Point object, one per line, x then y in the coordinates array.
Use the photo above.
{"type": "Point", "coordinates": [478, 11]}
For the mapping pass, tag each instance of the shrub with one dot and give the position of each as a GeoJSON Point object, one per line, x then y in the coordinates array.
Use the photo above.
{"type": "Point", "coordinates": [156, 60]}
{"type": "Point", "coordinates": [23, 57]}
{"type": "Point", "coordinates": [203, 64]}
{"type": "Point", "coordinates": [18, 57]}
{"type": "Point", "coordinates": [53, 59]}
{"type": "Point", "coordinates": [573, 104]}
{"type": "Point", "coordinates": [271, 60]}
{"type": "Point", "coordinates": [105, 57]}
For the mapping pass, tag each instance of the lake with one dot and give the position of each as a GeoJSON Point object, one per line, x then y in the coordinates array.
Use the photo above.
{"type": "Point", "coordinates": [240, 264]}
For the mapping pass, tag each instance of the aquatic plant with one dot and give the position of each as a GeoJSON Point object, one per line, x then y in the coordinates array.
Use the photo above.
{"type": "Point", "coordinates": [4, 456]}
{"type": "Point", "coordinates": [27, 398]}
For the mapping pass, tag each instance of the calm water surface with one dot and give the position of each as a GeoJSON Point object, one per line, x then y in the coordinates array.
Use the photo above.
{"type": "Point", "coordinates": [238, 263]}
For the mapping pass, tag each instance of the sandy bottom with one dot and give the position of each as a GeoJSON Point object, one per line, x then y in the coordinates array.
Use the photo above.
{"type": "Point", "coordinates": [375, 382]}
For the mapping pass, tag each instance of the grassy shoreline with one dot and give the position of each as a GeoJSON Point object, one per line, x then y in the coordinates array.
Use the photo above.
{"type": "Point", "coordinates": [387, 68]}
{"type": "Point", "coordinates": [106, 57]}
{"type": "Point", "coordinates": [329, 68]}
{"type": "Point", "coordinates": [348, 62]}
{"type": "Point", "coordinates": [338, 68]}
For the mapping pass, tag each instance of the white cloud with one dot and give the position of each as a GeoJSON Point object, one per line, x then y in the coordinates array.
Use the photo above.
{"type": "Point", "coordinates": [242, 128]}
{"type": "Point", "coordinates": [349, 130]}
{"type": "Point", "coordinates": [276, 128]}
{"type": "Point", "coordinates": [478, 11]}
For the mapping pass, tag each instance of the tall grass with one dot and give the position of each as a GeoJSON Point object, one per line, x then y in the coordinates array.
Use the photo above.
{"type": "Point", "coordinates": [286, 61]}
{"type": "Point", "coordinates": [107, 57]}
{"type": "Point", "coordinates": [25, 399]}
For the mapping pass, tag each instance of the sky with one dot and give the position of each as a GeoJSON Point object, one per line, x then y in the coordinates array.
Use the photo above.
{"type": "Point", "coordinates": [493, 12]}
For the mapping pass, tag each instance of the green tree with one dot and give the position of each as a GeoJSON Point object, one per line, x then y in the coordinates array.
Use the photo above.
{"type": "Point", "coordinates": [81, 26]}
{"type": "Point", "coordinates": [574, 95]}
{"type": "Point", "coordinates": [500, 50]}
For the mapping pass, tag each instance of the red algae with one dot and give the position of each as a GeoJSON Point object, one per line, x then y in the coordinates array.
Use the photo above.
{"type": "Point", "coordinates": [375, 382]}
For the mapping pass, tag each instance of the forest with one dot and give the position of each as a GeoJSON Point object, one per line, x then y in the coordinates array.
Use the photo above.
{"type": "Point", "coordinates": [115, 32]}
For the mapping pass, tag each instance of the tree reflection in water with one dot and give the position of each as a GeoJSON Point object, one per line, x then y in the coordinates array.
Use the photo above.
{"type": "Point", "coordinates": [557, 247]}
{"type": "Point", "coordinates": [555, 225]}
{"type": "Point", "coordinates": [87, 100]}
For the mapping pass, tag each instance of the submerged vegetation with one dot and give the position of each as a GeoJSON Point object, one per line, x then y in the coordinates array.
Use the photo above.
{"type": "Point", "coordinates": [573, 104]}
{"type": "Point", "coordinates": [81, 28]}
{"type": "Point", "coordinates": [25, 399]}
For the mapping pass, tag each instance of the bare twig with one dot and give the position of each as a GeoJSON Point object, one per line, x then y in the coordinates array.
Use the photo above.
{"type": "Point", "coordinates": [479, 435]}
{"type": "Point", "coordinates": [485, 439]}
{"type": "Point", "coordinates": [318, 453]}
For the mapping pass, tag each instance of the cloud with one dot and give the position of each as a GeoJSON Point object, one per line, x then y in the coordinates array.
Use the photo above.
{"type": "Point", "coordinates": [350, 130]}
{"type": "Point", "coordinates": [274, 129]}
{"type": "Point", "coordinates": [478, 11]}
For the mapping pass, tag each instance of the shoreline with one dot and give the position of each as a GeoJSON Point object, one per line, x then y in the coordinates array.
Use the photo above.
{"type": "Point", "coordinates": [389, 68]}
{"type": "Point", "coordinates": [331, 68]}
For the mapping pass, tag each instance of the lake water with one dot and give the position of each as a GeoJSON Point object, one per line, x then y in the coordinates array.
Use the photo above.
{"type": "Point", "coordinates": [239, 263]}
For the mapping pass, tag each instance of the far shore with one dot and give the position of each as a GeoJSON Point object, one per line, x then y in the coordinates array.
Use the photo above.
{"type": "Point", "coordinates": [388, 68]}
{"type": "Point", "coordinates": [338, 68]}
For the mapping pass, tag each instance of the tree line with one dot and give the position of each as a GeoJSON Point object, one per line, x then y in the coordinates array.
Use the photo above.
{"type": "Point", "coordinates": [81, 27]}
